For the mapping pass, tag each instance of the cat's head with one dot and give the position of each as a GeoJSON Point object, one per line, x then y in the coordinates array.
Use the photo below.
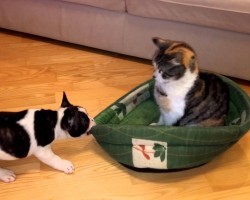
{"type": "Point", "coordinates": [75, 119]}
{"type": "Point", "coordinates": [172, 60]}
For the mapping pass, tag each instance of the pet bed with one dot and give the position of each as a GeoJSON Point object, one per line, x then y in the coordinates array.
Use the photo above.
{"type": "Point", "coordinates": [123, 130]}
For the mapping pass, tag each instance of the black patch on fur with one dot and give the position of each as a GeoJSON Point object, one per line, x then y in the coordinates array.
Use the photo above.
{"type": "Point", "coordinates": [14, 139]}
{"type": "Point", "coordinates": [75, 122]}
{"type": "Point", "coordinates": [211, 103]}
{"type": "Point", "coordinates": [44, 126]}
{"type": "Point", "coordinates": [167, 68]}
{"type": "Point", "coordinates": [177, 71]}
{"type": "Point", "coordinates": [12, 116]}
{"type": "Point", "coordinates": [162, 93]}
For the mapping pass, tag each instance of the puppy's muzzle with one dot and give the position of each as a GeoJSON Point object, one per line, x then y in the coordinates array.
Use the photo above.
{"type": "Point", "coordinates": [91, 124]}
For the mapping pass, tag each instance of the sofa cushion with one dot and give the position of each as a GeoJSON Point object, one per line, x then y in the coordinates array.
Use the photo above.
{"type": "Point", "coordinates": [225, 14]}
{"type": "Point", "coordinates": [115, 5]}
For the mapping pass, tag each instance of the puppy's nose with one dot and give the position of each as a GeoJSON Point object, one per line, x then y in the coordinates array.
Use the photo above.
{"type": "Point", "coordinates": [92, 122]}
{"type": "Point", "coordinates": [153, 76]}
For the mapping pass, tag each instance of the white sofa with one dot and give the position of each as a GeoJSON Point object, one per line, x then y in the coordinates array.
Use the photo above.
{"type": "Point", "coordinates": [218, 30]}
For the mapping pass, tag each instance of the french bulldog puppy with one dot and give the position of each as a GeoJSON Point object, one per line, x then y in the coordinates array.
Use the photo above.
{"type": "Point", "coordinates": [31, 132]}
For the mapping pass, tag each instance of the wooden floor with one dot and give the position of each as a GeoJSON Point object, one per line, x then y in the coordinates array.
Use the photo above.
{"type": "Point", "coordinates": [34, 73]}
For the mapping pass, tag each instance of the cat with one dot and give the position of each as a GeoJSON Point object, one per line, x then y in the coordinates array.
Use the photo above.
{"type": "Point", "coordinates": [186, 96]}
{"type": "Point", "coordinates": [31, 132]}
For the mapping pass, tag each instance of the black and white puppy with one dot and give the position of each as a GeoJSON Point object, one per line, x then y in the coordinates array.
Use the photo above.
{"type": "Point", "coordinates": [31, 132]}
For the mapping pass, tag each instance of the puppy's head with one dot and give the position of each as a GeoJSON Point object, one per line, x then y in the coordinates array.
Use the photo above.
{"type": "Point", "coordinates": [75, 119]}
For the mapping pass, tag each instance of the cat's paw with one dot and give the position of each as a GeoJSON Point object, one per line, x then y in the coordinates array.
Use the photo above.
{"type": "Point", "coordinates": [67, 167]}
{"type": "Point", "coordinates": [7, 176]}
{"type": "Point", "coordinates": [153, 124]}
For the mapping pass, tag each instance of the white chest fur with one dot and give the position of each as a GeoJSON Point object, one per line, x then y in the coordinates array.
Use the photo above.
{"type": "Point", "coordinates": [175, 99]}
{"type": "Point", "coordinates": [59, 133]}
{"type": "Point", "coordinates": [28, 124]}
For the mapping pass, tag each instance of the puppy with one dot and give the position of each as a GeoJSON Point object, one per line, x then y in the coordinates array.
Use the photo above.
{"type": "Point", "coordinates": [31, 132]}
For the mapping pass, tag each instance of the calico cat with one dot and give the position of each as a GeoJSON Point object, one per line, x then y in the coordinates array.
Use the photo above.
{"type": "Point", "coordinates": [185, 96]}
{"type": "Point", "coordinates": [31, 132]}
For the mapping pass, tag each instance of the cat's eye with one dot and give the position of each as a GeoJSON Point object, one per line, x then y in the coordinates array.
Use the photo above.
{"type": "Point", "coordinates": [166, 76]}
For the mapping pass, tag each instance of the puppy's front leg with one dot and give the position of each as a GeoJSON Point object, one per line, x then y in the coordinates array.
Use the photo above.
{"type": "Point", "coordinates": [7, 175]}
{"type": "Point", "coordinates": [46, 155]}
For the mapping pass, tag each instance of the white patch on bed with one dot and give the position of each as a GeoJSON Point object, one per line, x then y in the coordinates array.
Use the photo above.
{"type": "Point", "coordinates": [144, 156]}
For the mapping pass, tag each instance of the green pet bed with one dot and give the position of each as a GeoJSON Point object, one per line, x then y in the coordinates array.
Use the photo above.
{"type": "Point", "coordinates": [123, 131]}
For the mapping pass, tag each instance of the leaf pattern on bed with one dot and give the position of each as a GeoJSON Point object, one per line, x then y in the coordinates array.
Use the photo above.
{"type": "Point", "coordinates": [241, 119]}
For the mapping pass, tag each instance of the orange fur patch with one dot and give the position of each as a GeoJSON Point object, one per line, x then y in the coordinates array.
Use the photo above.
{"type": "Point", "coordinates": [213, 122]}
{"type": "Point", "coordinates": [163, 102]}
{"type": "Point", "coordinates": [187, 55]}
{"type": "Point", "coordinates": [201, 89]}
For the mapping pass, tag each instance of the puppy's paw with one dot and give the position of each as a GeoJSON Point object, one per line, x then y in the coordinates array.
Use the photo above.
{"type": "Point", "coordinates": [7, 176]}
{"type": "Point", "coordinates": [153, 124]}
{"type": "Point", "coordinates": [67, 166]}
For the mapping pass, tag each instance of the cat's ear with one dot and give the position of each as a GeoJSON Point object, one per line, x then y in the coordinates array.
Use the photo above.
{"type": "Point", "coordinates": [161, 43]}
{"type": "Point", "coordinates": [65, 102]}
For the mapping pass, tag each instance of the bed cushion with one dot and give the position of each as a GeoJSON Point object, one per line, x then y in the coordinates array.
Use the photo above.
{"type": "Point", "coordinates": [124, 131]}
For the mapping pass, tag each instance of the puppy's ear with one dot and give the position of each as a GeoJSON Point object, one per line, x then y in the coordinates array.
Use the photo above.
{"type": "Point", "coordinates": [161, 43]}
{"type": "Point", "coordinates": [65, 102]}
